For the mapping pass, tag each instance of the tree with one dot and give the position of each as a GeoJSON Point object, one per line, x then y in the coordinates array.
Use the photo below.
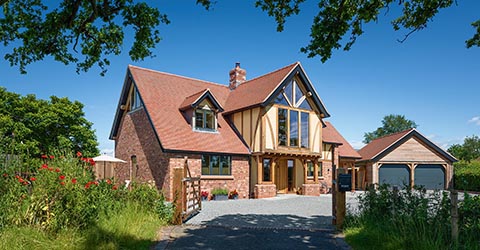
{"type": "Point", "coordinates": [33, 126]}
{"type": "Point", "coordinates": [390, 124]}
{"type": "Point", "coordinates": [468, 151]}
{"type": "Point", "coordinates": [97, 26]}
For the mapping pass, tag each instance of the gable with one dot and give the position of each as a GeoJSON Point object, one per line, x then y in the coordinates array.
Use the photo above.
{"type": "Point", "coordinates": [412, 150]}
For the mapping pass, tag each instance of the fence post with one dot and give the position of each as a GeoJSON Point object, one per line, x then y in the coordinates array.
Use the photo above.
{"type": "Point", "coordinates": [454, 213]}
{"type": "Point", "coordinates": [178, 195]}
{"type": "Point", "coordinates": [340, 205]}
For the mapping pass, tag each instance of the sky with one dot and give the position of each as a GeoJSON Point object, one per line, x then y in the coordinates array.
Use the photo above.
{"type": "Point", "coordinates": [431, 78]}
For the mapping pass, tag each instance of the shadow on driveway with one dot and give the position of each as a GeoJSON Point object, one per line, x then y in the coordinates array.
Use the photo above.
{"type": "Point", "coordinates": [254, 231]}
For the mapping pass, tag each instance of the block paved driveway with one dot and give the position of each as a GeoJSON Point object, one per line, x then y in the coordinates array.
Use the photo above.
{"type": "Point", "coordinates": [282, 222]}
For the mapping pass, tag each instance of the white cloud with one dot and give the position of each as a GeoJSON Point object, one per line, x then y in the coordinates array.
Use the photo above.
{"type": "Point", "coordinates": [475, 120]}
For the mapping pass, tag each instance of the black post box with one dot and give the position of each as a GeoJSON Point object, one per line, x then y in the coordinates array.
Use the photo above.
{"type": "Point", "coordinates": [344, 182]}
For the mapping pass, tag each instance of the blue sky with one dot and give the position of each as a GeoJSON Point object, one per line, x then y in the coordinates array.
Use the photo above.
{"type": "Point", "coordinates": [431, 78]}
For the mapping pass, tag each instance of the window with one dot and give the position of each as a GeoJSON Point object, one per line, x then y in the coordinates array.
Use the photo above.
{"type": "Point", "coordinates": [205, 120]}
{"type": "Point", "coordinates": [216, 165]}
{"type": "Point", "coordinates": [320, 169]}
{"type": "Point", "coordinates": [304, 125]}
{"type": "Point", "coordinates": [135, 101]}
{"type": "Point", "coordinates": [310, 169]}
{"type": "Point", "coordinates": [293, 128]}
{"type": "Point", "coordinates": [282, 127]}
{"type": "Point", "coordinates": [267, 173]}
{"type": "Point", "coordinates": [133, 167]}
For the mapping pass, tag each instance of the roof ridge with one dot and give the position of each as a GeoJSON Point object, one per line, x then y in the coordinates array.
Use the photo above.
{"type": "Point", "coordinates": [270, 73]}
{"type": "Point", "coordinates": [201, 91]}
{"type": "Point", "coordinates": [396, 133]}
{"type": "Point", "coordinates": [179, 76]}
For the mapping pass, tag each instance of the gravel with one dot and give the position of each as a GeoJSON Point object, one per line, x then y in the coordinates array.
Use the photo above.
{"type": "Point", "coordinates": [287, 211]}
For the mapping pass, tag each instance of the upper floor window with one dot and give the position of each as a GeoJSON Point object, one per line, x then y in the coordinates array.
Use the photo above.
{"type": "Point", "coordinates": [205, 120]}
{"type": "Point", "coordinates": [293, 128]}
{"type": "Point", "coordinates": [135, 101]}
{"type": "Point", "coordinates": [292, 95]}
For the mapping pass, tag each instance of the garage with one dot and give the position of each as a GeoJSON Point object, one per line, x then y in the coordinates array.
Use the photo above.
{"type": "Point", "coordinates": [430, 176]}
{"type": "Point", "coordinates": [394, 175]}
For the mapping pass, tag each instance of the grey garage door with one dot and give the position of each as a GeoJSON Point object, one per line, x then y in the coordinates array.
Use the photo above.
{"type": "Point", "coordinates": [394, 175]}
{"type": "Point", "coordinates": [430, 176]}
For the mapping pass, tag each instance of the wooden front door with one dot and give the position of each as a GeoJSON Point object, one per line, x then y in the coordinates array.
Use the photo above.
{"type": "Point", "coordinates": [281, 177]}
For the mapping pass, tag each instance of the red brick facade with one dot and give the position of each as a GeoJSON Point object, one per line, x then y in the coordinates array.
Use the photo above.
{"type": "Point", "coordinates": [136, 137]}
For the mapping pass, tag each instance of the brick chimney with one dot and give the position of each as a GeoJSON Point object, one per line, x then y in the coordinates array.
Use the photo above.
{"type": "Point", "coordinates": [237, 76]}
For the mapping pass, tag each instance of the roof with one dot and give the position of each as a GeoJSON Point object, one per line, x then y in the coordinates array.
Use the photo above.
{"type": "Point", "coordinates": [197, 98]}
{"type": "Point", "coordinates": [165, 98]}
{"type": "Point", "coordinates": [331, 135]}
{"type": "Point", "coordinates": [261, 90]}
{"type": "Point", "coordinates": [379, 147]}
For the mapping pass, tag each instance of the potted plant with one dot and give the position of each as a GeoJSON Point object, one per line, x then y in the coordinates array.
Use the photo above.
{"type": "Point", "coordinates": [220, 194]}
{"type": "Point", "coordinates": [233, 194]}
{"type": "Point", "coordinates": [204, 195]}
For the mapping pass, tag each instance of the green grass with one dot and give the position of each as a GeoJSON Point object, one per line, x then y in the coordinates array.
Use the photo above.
{"type": "Point", "coordinates": [131, 227]}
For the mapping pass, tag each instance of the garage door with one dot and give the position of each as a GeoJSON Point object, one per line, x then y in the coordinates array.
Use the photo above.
{"type": "Point", "coordinates": [394, 175]}
{"type": "Point", "coordinates": [430, 176]}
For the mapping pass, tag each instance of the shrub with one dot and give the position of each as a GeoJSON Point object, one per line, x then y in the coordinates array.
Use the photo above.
{"type": "Point", "coordinates": [219, 191]}
{"type": "Point", "coordinates": [467, 175]}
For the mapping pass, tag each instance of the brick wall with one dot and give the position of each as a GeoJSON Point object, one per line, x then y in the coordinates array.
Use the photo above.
{"type": "Point", "coordinates": [136, 137]}
{"type": "Point", "coordinates": [265, 190]}
{"type": "Point", "coordinates": [311, 189]}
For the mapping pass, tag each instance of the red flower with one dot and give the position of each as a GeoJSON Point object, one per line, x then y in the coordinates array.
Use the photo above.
{"type": "Point", "coordinates": [114, 187]}
{"type": "Point", "coordinates": [44, 157]}
{"type": "Point", "coordinates": [44, 166]}
{"type": "Point", "coordinates": [5, 175]}
{"type": "Point", "coordinates": [87, 185]}
{"type": "Point", "coordinates": [74, 181]}
{"type": "Point", "coordinates": [91, 161]}
{"type": "Point", "coordinates": [57, 170]}
{"type": "Point", "coordinates": [61, 177]}
{"type": "Point", "coordinates": [62, 183]}
{"type": "Point", "coordinates": [50, 169]}
{"type": "Point", "coordinates": [16, 176]}
{"type": "Point", "coordinates": [25, 182]}
{"type": "Point", "coordinates": [109, 182]}
{"type": "Point", "coordinates": [79, 154]}
{"type": "Point", "coordinates": [20, 180]}
{"type": "Point", "coordinates": [33, 179]}
{"type": "Point", "coordinates": [52, 157]}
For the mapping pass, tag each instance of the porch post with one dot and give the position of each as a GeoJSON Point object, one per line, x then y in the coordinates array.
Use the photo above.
{"type": "Point", "coordinates": [304, 171]}
{"type": "Point", "coordinates": [259, 170]}
{"type": "Point", "coordinates": [315, 168]}
{"type": "Point", "coordinates": [412, 174]}
{"type": "Point", "coordinates": [273, 165]}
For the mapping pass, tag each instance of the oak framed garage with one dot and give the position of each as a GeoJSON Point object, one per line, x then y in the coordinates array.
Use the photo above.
{"type": "Point", "coordinates": [406, 158]}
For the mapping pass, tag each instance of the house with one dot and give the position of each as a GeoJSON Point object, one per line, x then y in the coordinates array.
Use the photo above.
{"type": "Point", "coordinates": [406, 158]}
{"type": "Point", "coordinates": [259, 137]}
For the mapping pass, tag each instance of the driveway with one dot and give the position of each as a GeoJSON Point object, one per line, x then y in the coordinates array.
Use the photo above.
{"type": "Point", "coordinates": [282, 222]}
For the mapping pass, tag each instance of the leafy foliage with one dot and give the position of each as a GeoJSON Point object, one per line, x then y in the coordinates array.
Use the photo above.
{"type": "Point", "coordinates": [469, 150]}
{"type": "Point", "coordinates": [390, 124]}
{"type": "Point", "coordinates": [411, 219]}
{"type": "Point", "coordinates": [33, 126]}
{"type": "Point", "coordinates": [467, 175]}
{"type": "Point", "coordinates": [95, 29]}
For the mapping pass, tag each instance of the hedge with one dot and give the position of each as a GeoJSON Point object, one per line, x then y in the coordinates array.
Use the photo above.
{"type": "Point", "coordinates": [467, 175]}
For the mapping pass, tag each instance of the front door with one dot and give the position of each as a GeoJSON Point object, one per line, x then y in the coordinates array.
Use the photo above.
{"type": "Point", "coordinates": [285, 176]}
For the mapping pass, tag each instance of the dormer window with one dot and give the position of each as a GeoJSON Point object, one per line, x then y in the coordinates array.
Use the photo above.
{"type": "Point", "coordinates": [203, 108]}
{"type": "Point", "coordinates": [205, 119]}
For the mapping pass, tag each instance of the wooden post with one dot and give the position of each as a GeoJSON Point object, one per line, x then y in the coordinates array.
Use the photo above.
{"type": "Point", "coordinates": [177, 195]}
{"type": "Point", "coordinates": [315, 169]}
{"type": "Point", "coordinates": [259, 170]}
{"type": "Point", "coordinates": [340, 202]}
{"type": "Point", "coordinates": [454, 213]}
{"type": "Point", "coordinates": [305, 172]}
{"type": "Point", "coordinates": [353, 177]}
{"type": "Point", "coordinates": [273, 165]}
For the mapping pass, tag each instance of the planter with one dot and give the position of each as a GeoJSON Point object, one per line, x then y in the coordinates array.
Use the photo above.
{"type": "Point", "coordinates": [221, 197]}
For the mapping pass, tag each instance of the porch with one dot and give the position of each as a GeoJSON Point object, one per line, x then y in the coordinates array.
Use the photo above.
{"type": "Point", "coordinates": [274, 173]}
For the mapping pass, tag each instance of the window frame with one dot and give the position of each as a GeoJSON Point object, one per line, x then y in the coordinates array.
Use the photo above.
{"type": "Point", "coordinates": [311, 171]}
{"type": "Point", "coordinates": [221, 165]}
{"type": "Point", "coordinates": [204, 114]}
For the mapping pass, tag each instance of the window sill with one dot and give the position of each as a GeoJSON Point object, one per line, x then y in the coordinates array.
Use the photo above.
{"type": "Point", "coordinates": [213, 131]}
{"type": "Point", "coordinates": [217, 177]}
